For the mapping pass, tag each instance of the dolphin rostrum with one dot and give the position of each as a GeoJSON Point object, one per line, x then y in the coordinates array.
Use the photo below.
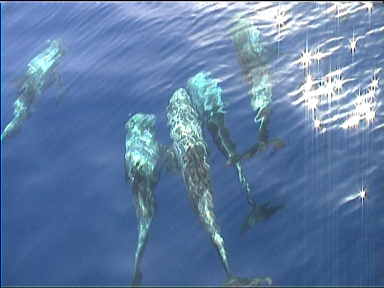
{"type": "Point", "coordinates": [37, 78]}
{"type": "Point", "coordinates": [191, 154]}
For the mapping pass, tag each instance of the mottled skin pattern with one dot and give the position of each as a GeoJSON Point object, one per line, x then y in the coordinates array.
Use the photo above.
{"type": "Point", "coordinates": [191, 154]}
{"type": "Point", "coordinates": [205, 96]}
{"type": "Point", "coordinates": [37, 78]}
{"type": "Point", "coordinates": [141, 170]}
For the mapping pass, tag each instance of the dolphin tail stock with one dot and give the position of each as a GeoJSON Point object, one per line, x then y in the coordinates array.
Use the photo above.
{"type": "Point", "coordinates": [234, 281]}
{"type": "Point", "coordinates": [199, 189]}
{"type": "Point", "coordinates": [145, 209]}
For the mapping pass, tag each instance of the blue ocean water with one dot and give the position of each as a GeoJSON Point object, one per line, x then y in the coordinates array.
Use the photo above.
{"type": "Point", "coordinates": [67, 213]}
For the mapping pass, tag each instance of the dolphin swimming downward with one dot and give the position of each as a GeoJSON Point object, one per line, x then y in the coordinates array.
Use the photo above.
{"type": "Point", "coordinates": [142, 155]}
{"type": "Point", "coordinates": [191, 154]}
{"type": "Point", "coordinates": [35, 81]}
{"type": "Point", "coordinates": [252, 56]}
{"type": "Point", "coordinates": [205, 94]}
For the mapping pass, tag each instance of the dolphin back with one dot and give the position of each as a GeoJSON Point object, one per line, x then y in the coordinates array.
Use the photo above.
{"type": "Point", "coordinates": [205, 94]}
{"type": "Point", "coordinates": [253, 58]}
{"type": "Point", "coordinates": [191, 152]}
{"type": "Point", "coordinates": [142, 153]}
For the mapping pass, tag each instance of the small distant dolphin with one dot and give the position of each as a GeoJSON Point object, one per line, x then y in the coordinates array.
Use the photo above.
{"type": "Point", "coordinates": [35, 81]}
{"type": "Point", "coordinates": [191, 154]}
{"type": "Point", "coordinates": [142, 155]}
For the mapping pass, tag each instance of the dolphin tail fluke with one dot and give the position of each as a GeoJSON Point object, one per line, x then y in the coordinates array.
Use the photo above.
{"type": "Point", "coordinates": [248, 282]}
{"type": "Point", "coordinates": [137, 277]}
{"type": "Point", "coordinates": [11, 128]}
{"type": "Point", "coordinates": [259, 213]}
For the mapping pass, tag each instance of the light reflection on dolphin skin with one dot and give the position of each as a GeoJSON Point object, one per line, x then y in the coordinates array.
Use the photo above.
{"type": "Point", "coordinates": [191, 153]}
{"type": "Point", "coordinates": [36, 79]}
{"type": "Point", "coordinates": [205, 96]}
{"type": "Point", "coordinates": [142, 155]}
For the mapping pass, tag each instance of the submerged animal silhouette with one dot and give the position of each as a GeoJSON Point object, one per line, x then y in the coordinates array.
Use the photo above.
{"type": "Point", "coordinates": [142, 162]}
{"type": "Point", "coordinates": [191, 154]}
{"type": "Point", "coordinates": [36, 79]}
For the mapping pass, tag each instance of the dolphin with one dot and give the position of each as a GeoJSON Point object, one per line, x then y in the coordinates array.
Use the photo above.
{"type": "Point", "coordinates": [142, 155]}
{"type": "Point", "coordinates": [252, 56]}
{"type": "Point", "coordinates": [191, 154]}
{"type": "Point", "coordinates": [206, 98]}
{"type": "Point", "coordinates": [37, 78]}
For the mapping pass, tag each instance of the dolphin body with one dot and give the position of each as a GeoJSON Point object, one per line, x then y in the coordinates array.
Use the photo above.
{"type": "Point", "coordinates": [142, 156]}
{"type": "Point", "coordinates": [37, 78]}
{"type": "Point", "coordinates": [206, 99]}
{"type": "Point", "coordinates": [252, 56]}
{"type": "Point", "coordinates": [191, 154]}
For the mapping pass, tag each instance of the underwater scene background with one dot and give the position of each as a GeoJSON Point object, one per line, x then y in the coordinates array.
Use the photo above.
{"type": "Point", "coordinates": [68, 215]}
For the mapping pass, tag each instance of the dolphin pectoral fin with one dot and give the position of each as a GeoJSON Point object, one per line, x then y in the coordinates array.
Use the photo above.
{"type": "Point", "coordinates": [248, 282]}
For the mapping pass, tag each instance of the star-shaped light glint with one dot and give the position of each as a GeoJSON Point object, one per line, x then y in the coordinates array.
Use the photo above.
{"type": "Point", "coordinates": [338, 83]}
{"type": "Point", "coordinates": [308, 83]}
{"type": "Point", "coordinates": [374, 83]}
{"type": "Point", "coordinates": [329, 87]}
{"type": "Point", "coordinates": [368, 6]}
{"type": "Point", "coordinates": [280, 18]}
{"type": "Point", "coordinates": [318, 55]}
{"type": "Point", "coordinates": [353, 44]}
{"type": "Point", "coordinates": [363, 194]}
{"type": "Point", "coordinates": [306, 58]}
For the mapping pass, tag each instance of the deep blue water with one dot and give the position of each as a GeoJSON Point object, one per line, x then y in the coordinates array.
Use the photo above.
{"type": "Point", "coordinates": [67, 213]}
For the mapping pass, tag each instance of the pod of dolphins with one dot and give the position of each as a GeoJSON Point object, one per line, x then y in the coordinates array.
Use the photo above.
{"type": "Point", "coordinates": [189, 112]}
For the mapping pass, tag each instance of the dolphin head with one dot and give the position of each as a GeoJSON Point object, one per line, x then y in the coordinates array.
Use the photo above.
{"type": "Point", "coordinates": [141, 122]}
